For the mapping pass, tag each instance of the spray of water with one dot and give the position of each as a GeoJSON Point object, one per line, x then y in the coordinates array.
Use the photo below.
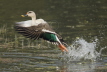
{"type": "Point", "coordinates": [81, 49]}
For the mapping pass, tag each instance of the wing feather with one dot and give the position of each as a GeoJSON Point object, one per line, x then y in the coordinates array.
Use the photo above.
{"type": "Point", "coordinates": [28, 32]}
{"type": "Point", "coordinates": [36, 32]}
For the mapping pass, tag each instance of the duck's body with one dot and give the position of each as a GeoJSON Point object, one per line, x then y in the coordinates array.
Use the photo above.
{"type": "Point", "coordinates": [38, 28]}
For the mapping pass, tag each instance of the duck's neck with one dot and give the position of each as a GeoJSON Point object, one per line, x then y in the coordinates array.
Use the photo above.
{"type": "Point", "coordinates": [34, 20]}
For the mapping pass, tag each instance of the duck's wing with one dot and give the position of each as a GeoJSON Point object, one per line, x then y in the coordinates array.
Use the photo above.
{"type": "Point", "coordinates": [28, 32]}
{"type": "Point", "coordinates": [34, 32]}
{"type": "Point", "coordinates": [26, 29]}
{"type": "Point", "coordinates": [42, 30]}
{"type": "Point", "coordinates": [49, 31]}
{"type": "Point", "coordinates": [24, 23]}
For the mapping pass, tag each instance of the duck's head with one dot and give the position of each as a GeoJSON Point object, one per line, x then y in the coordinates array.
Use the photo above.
{"type": "Point", "coordinates": [29, 14]}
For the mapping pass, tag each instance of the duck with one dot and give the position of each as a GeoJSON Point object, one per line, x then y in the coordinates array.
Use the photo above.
{"type": "Point", "coordinates": [39, 29]}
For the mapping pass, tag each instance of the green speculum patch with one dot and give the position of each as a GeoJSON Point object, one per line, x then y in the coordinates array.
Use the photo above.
{"type": "Point", "coordinates": [50, 37]}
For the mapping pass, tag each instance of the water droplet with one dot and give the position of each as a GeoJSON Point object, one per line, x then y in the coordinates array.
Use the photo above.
{"type": "Point", "coordinates": [81, 49]}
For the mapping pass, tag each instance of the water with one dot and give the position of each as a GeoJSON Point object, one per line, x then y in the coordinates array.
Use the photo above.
{"type": "Point", "coordinates": [81, 23]}
{"type": "Point", "coordinates": [82, 56]}
{"type": "Point", "coordinates": [81, 49]}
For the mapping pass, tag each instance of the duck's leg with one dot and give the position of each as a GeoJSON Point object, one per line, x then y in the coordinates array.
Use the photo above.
{"type": "Point", "coordinates": [63, 48]}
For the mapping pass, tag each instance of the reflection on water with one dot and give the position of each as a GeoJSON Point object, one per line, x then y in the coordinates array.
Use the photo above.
{"type": "Point", "coordinates": [85, 19]}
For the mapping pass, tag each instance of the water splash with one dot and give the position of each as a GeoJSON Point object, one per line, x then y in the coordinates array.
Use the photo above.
{"type": "Point", "coordinates": [81, 49]}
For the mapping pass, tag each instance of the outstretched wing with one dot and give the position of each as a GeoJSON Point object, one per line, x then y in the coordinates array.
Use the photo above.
{"type": "Point", "coordinates": [43, 31]}
{"type": "Point", "coordinates": [29, 32]}
{"type": "Point", "coordinates": [34, 32]}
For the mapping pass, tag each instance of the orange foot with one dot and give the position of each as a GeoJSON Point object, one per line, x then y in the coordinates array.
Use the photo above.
{"type": "Point", "coordinates": [63, 48]}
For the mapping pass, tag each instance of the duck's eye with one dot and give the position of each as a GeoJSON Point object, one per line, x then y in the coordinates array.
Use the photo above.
{"type": "Point", "coordinates": [29, 12]}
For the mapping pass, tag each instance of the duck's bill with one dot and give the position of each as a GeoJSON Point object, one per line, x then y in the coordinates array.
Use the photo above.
{"type": "Point", "coordinates": [24, 15]}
